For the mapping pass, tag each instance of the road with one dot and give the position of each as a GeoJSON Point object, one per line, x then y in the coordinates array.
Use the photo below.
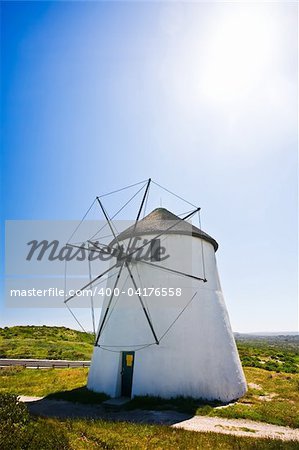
{"type": "Point", "coordinates": [42, 363]}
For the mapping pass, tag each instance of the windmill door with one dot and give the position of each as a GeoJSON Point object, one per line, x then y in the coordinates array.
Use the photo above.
{"type": "Point", "coordinates": [127, 373]}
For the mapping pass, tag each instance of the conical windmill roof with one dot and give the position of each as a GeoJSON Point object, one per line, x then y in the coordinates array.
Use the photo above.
{"type": "Point", "coordinates": [159, 221]}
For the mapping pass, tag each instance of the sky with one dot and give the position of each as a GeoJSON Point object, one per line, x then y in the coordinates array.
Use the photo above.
{"type": "Point", "coordinates": [202, 97]}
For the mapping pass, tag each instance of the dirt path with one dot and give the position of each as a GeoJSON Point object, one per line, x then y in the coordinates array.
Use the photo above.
{"type": "Point", "coordinates": [239, 427]}
{"type": "Point", "coordinates": [63, 409]}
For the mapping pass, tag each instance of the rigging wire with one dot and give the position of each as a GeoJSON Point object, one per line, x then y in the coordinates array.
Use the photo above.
{"type": "Point", "coordinates": [91, 298]}
{"type": "Point", "coordinates": [168, 329]}
{"type": "Point", "coordinates": [145, 205]}
{"type": "Point", "coordinates": [202, 251]}
{"type": "Point", "coordinates": [117, 299]}
{"type": "Point", "coordinates": [105, 279]}
{"type": "Point", "coordinates": [120, 351]}
{"type": "Point", "coordinates": [144, 299]}
{"type": "Point", "coordinates": [96, 284]}
{"type": "Point", "coordinates": [127, 346]}
{"type": "Point", "coordinates": [111, 296]}
{"type": "Point", "coordinates": [184, 213]}
{"type": "Point", "coordinates": [168, 269]}
{"type": "Point", "coordinates": [65, 295]}
{"type": "Point", "coordinates": [163, 232]}
{"type": "Point", "coordinates": [110, 220]}
{"type": "Point", "coordinates": [142, 304]}
{"type": "Point", "coordinates": [65, 275]}
{"type": "Point", "coordinates": [90, 283]}
{"type": "Point", "coordinates": [122, 189]}
{"type": "Point", "coordinates": [170, 192]}
{"type": "Point", "coordinates": [81, 220]}
{"type": "Point", "coordinates": [107, 347]}
{"type": "Point", "coordinates": [139, 212]}
{"type": "Point", "coordinates": [114, 215]}
{"type": "Point", "coordinates": [84, 242]}
{"type": "Point", "coordinates": [110, 223]}
{"type": "Point", "coordinates": [78, 322]}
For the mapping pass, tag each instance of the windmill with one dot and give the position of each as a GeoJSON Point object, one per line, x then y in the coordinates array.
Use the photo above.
{"type": "Point", "coordinates": [164, 329]}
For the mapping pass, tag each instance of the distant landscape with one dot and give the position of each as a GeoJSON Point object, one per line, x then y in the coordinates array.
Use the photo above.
{"type": "Point", "coordinates": [279, 353]}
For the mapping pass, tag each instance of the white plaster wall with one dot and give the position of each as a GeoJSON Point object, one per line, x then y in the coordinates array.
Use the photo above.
{"type": "Point", "coordinates": [197, 357]}
{"type": "Point", "coordinates": [103, 373]}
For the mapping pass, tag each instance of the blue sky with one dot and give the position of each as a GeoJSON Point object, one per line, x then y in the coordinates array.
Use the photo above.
{"type": "Point", "coordinates": [202, 97]}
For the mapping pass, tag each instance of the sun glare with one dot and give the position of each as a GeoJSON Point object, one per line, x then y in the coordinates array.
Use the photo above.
{"type": "Point", "coordinates": [238, 53]}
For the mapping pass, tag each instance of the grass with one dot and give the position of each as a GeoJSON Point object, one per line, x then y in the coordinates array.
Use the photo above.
{"type": "Point", "coordinates": [19, 430]}
{"type": "Point", "coordinates": [41, 382]}
{"type": "Point", "coordinates": [90, 434]}
{"type": "Point", "coordinates": [272, 397]}
{"type": "Point", "coordinates": [275, 401]}
{"type": "Point", "coordinates": [121, 435]}
{"type": "Point", "coordinates": [60, 384]}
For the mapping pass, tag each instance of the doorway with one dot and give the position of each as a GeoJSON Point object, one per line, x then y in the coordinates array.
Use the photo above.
{"type": "Point", "coordinates": [127, 367]}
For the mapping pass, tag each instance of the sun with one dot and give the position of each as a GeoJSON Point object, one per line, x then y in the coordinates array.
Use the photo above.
{"type": "Point", "coordinates": [237, 55]}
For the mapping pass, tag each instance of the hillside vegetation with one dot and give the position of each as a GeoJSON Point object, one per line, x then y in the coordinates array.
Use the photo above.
{"type": "Point", "coordinates": [42, 342]}
{"type": "Point", "coordinates": [273, 353]}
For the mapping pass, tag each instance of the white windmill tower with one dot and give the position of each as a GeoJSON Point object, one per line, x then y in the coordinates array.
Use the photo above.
{"type": "Point", "coordinates": [164, 329]}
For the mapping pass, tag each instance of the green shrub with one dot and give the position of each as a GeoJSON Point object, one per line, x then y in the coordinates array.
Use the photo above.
{"type": "Point", "coordinates": [12, 412]}
{"type": "Point", "coordinates": [19, 431]}
{"type": "Point", "coordinates": [14, 417]}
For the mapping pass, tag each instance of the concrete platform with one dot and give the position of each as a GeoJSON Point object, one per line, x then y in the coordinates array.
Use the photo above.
{"type": "Point", "coordinates": [115, 404]}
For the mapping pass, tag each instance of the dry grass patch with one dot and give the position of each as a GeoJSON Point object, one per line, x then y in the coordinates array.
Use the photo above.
{"type": "Point", "coordinates": [275, 400]}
